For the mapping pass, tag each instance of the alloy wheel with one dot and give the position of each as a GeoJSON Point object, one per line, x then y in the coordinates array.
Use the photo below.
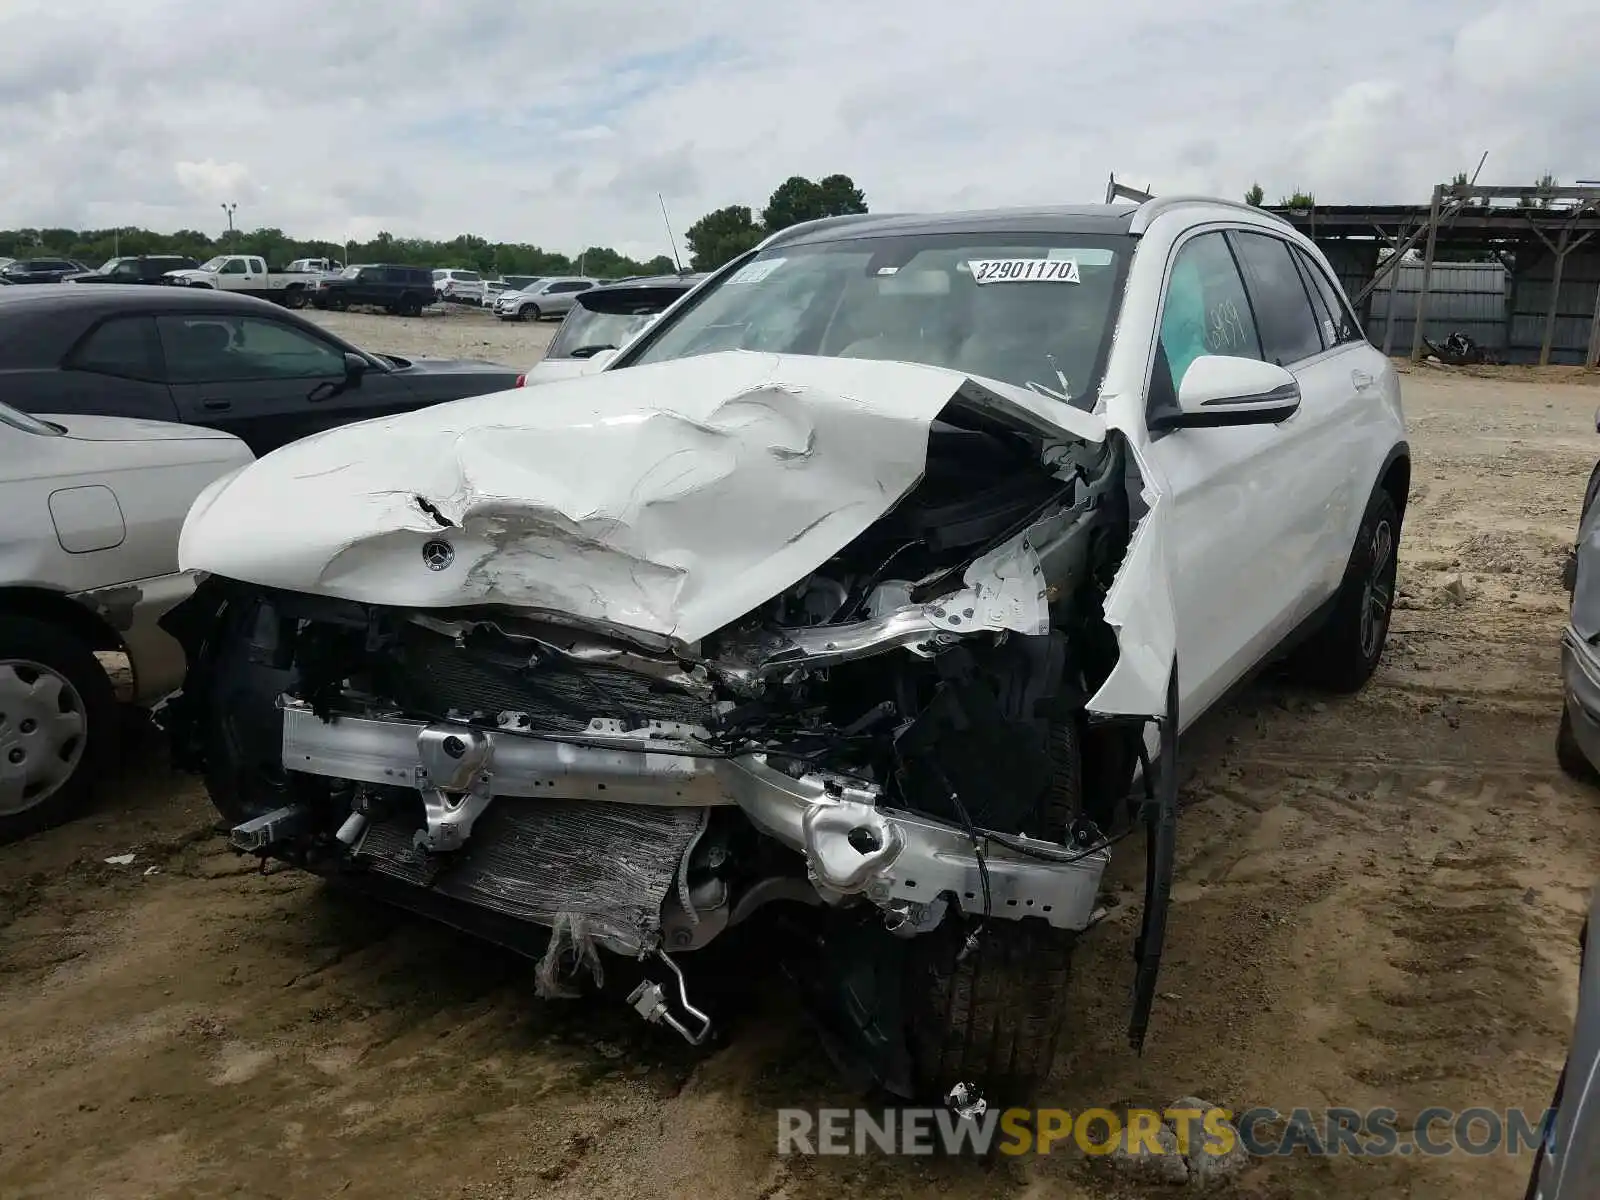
{"type": "Point", "coordinates": [1377, 595]}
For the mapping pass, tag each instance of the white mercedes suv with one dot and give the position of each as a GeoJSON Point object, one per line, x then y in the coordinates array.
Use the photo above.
{"type": "Point", "coordinates": [865, 593]}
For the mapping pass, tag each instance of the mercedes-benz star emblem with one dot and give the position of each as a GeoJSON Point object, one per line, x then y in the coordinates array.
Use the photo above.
{"type": "Point", "coordinates": [438, 554]}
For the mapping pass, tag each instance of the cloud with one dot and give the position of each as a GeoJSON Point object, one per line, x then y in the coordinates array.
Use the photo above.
{"type": "Point", "coordinates": [559, 123]}
{"type": "Point", "coordinates": [211, 180]}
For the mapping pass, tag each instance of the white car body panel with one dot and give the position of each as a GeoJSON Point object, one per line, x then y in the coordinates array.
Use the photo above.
{"type": "Point", "coordinates": [95, 514]}
{"type": "Point", "coordinates": [669, 500]}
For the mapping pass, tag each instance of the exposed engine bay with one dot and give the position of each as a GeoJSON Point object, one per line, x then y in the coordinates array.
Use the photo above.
{"type": "Point", "coordinates": [899, 738]}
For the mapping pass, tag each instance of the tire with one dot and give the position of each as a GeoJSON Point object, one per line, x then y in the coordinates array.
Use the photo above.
{"type": "Point", "coordinates": [56, 765]}
{"type": "Point", "coordinates": [1569, 755]}
{"type": "Point", "coordinates": [295, 298]}
{"type": "Point", "coordinates": [242, 735]}
{"type": "Point", "coordinates": [410, 305]}
{"type": "Point", "coordinates": [994, 1019]}
{"type": "Point", "coordinates": [1343, 654]}
{"type": "Point", "coordinates": [529, 312]}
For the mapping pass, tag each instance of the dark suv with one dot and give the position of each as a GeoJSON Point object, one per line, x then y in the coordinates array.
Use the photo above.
{"type": "Point", "coordinates": [40, 270]}
{"type": "Point", "coordinates": [403, 290]}
{"type": "Point", "coordinates": [143, 268]}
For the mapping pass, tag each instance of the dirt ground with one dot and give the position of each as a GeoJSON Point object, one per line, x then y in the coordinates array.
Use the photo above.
{"type": "Point", "coordinates": [1377, 904]}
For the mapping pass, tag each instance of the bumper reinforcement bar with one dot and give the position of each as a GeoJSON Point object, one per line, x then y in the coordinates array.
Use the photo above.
{"type": "Point", "coordinates": [900, 861]}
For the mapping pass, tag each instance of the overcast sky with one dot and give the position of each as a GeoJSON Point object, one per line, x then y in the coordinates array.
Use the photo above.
{"type": "Point", "coordinates": [557, 122]}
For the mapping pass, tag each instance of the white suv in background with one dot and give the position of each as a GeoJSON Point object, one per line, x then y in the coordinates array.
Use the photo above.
{"type": "Point", "coordinates": [452, 283]}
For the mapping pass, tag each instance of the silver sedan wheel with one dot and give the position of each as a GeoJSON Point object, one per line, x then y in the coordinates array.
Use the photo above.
{"type": "Point", "coordinates": [43, 734]}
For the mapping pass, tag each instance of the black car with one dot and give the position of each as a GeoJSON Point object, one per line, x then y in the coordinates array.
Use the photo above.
{"type": "Point", "coordinates": [140, 268]}
{"type": "Point", "coordinates": [403, 290]}
{"type": "Point", "coordinates": [209, 358]}
{"type": "Point", "coordinates": [41, 270]}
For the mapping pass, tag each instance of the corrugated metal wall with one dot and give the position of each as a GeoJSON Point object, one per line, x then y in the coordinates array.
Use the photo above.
{"type": "Point", "coordinates": [1502, 313]}
{"type": "Point", "coordinates": [1470, 297]}
{"type": "Point", "coordinates": [1530, 304]}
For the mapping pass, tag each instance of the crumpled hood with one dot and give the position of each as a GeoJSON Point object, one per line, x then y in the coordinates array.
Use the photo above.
{"type": "Point", "coordinates": [669, 499]}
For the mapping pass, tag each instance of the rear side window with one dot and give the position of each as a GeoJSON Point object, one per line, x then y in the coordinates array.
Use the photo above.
{"type": "Point", "coordinates": [1333, 315]}
{"type": "Point", "coordinates": [1278, 295]}
{"type": "Point", "coordinates": [126, 347]}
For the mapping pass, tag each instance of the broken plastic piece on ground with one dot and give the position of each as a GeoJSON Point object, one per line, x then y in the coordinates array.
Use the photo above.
{"type": "Point", "coordinates": [966, 1101]}
{"type": "Point", "coordinates": [121, 860]}
{"type": "Point", "coordinates": [568, 934]}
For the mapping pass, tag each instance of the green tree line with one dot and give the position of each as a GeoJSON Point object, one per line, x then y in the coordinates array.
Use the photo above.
{"type": "Point", "coordinates": [720, 236]}
{"type": "Point", "coordinates": [93, 246]}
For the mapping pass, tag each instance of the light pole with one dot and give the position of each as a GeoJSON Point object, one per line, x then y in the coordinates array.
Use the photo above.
{"type": "Point", "coordinates": [229, 209]}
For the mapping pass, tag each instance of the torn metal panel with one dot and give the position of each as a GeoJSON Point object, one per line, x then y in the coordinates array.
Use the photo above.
{"type": "Point", "coordinates": [671, 498]}
{"type": "Point", "coordinates": [133, 610]}
{"type": "Point", "coordinates": [1140, 608]}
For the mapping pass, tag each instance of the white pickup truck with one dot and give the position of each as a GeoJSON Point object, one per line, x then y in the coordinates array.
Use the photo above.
{"type": "Point", "coordinates": [250, 274]}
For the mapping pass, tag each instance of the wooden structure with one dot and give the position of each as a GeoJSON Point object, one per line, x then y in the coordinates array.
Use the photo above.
{"type": "Point", "coordinates": [1545, 237]}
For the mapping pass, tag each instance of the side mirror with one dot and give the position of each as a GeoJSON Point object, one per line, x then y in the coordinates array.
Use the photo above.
{"type": "Point", "coordinates": [354, 368]}
{"type": "Point", "coordinates": [1222, 390]}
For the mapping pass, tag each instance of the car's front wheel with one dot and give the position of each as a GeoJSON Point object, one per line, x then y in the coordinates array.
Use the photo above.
{"type": "Point", "coordinates": [528, 312]}
{"type": "Point", "coordinates": [1343, 654]}
{"type": "Point", "coordinates": [991, 1013]}
{"type": "Point", "coordinates": [57, 725]}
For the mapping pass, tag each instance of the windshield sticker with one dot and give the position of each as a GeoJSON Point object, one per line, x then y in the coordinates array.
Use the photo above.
{"type": "Point", "coordinates": [755, 272]}
{"type": "Point", "coordinates": [1025, 270]}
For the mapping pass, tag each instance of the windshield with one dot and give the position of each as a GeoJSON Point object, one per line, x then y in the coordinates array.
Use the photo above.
{"type": "Point", "coordinates": [105, 267]}
{"type": "Point", "coordinates": [214, 264]}
{"type": "Point", "coordinates": [350, 272]}
{"type": "Point", "coordinates": [515, 283]}
{"type": "Point", "coordinates": [591, 331]}
{"type": "Point", "coordinates": [1035, 310]}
